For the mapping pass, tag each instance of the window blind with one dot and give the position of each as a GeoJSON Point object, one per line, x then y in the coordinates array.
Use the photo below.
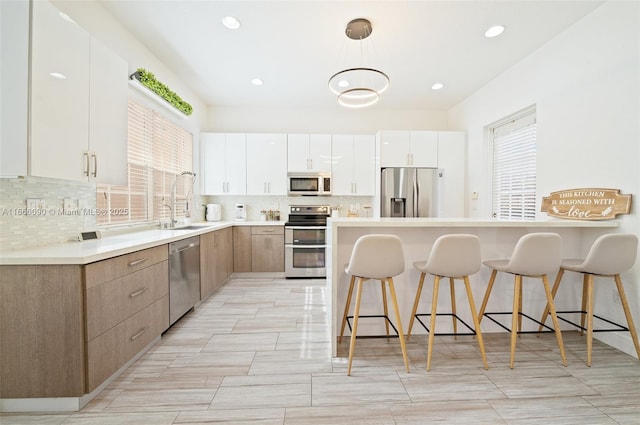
{"type": "Point", "coordinates": [158, 151]}
{"type": "Point", "coordinates": [514, 168]}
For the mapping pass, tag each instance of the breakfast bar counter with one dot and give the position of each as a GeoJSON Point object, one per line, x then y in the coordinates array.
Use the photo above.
{"type": "Point", "coordinates": [497, 238]}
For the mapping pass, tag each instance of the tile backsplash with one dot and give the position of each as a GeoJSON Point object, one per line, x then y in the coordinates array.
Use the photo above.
{"type": "Point", "coordinates": [49, 222]}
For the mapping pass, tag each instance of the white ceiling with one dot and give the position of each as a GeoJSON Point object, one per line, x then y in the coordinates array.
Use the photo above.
{"type": "Point", "coordinates": [295, 46]}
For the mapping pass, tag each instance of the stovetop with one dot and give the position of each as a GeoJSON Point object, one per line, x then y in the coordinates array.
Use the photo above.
{"type": "Point", "coordinates": [308, 215]}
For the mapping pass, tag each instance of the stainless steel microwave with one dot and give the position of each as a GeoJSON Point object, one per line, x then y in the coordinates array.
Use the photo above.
{"type": "Point", "coordinates": [317, 184]}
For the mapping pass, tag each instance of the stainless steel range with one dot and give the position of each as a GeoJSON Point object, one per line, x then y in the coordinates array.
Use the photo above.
{"type": "Point", "coordinates": [305, 246]}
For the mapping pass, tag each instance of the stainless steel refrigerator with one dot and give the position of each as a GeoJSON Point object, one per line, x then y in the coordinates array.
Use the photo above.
{"type": "Point", "coordinates": [409, 192]}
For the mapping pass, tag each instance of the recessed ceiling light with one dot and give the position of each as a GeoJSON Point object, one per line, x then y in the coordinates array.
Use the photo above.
{"type": "Point", "coordinates": [231, 22]}
{"type": "Point", "coordinates": [437, 86]}
{"type": "Point", "coordinates": [494, 31]}
{"type": "Point", "coordinates": [58, 75]}
{"type": "Point", "coordinates": [257, 82]}
{"type": "Point", "coordinates": [343, 83]}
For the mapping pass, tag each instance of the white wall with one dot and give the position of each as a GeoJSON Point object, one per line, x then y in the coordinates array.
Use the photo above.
{"type": "Point", "coordinates": [336, 120]}
{"type": "Point", "coordinates": [585, 84]}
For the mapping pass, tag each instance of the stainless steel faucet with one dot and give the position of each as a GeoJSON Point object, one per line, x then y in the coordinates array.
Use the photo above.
{"type": "Point", "coordinates": [173, 196]}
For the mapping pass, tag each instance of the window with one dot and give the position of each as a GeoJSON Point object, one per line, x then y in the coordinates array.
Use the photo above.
{"type": "Point", "coordinates": [158, 151]}
{"type": "Point", "coordinates": [514, 167]}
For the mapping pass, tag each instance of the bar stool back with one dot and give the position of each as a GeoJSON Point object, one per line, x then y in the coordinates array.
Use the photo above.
{"type": "Point", "coordinates": [609, 256]}
{"type": "Point", "coordinates": [378, 257]}
{"type": "Point", "coordinates": [533, 256]}
{"type": "Point", "coordinates": [455, 257]}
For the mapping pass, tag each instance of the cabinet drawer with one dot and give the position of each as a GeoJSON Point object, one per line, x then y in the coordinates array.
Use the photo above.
{"type": "Point", "coordinates": [111, 350]}
{"type": "Point", "coordinates": [267, 230]}
{"type": "Point", "coordinates": [107, 270]}
{"type": "Point", "coordinates": [112, 302]}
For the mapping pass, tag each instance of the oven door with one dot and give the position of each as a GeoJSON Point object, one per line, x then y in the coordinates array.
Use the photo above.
{"type": "Point", "coordinates": [305, 261]}
{"type": "Point", "coordinates": [305, 251]}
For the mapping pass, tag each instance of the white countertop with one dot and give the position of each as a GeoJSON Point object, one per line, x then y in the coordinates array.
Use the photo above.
{"type": "Point", "coordinates": [463, 222]}
{"type": "Point", "coordinates": [86, 252]}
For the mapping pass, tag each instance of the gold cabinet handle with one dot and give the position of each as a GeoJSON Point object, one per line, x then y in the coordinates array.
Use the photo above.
{"type": "Point", "coordinates": [138, 334]}
{"type": "Point", "coordinates": [86, 164]}
{"type": "Point", "coordinates": [95, 164]}
{"type": "Point", "coordinates": [136, 262]}
{"type": "Point", "coordinates": [138, 292]}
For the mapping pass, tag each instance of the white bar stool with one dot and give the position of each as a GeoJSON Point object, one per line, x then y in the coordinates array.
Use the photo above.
{"type": "Point", "coordinates": [455, 257]}
{"type": "Point", "coordinates": [533, 256]}
{"type": "Point", "coordinates": [609, 256]}
{"type": "Point", "coordinates": [378, 257]}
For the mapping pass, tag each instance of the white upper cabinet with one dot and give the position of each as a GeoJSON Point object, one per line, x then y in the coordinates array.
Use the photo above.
{"type": "Point", "coordinates": [408, 148]}
{"type": "Point", "coordinates": [78, 102]}
{"type": "Point", "coordinates": [14, 87]}
{"type": "Point", "coordinates": [266, 164]}
{"type": "Point", "coordinates": [108, 116]}
{"type": "Point", "coordinates": [353, 168]}
{"type": "Point", "coordinates": [309, 153]}
{"type": "Point", "coordinates": [60, 73]}
{"type": "Point", "coordinates": [224, 163]}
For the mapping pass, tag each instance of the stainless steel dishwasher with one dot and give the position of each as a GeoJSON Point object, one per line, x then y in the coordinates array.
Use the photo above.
{"type": "Point", "coordinates": [184, 276]}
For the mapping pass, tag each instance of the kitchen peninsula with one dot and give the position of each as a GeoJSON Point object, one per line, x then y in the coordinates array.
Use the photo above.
{"type": "Point", "coordinates": [497, 238]}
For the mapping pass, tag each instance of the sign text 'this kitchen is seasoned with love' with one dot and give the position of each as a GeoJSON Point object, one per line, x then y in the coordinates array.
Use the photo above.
{"type": "Point", "coordinates": [586, 204]}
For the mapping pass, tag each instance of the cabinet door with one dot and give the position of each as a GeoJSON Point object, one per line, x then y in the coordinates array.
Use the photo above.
{"type": "Point", "coordinates": [452, 165]}
{"type": "Point", "coordinates": [267, 253]}
{"type": "Point", "coordinates": [395, 148]}
{"type": "Point", "coordinates": [342, 148]}
{"type": "Point", "coordinates": [424, 149]}
{"type": "Point", "coordinates": [213, 151]}
{"type": "Point", "coordinates": [208, 269]}
{"type": "Point", "coordinates": [298, 153]}
{"type": "Point", "coordinates": [14, 87]}
{"type": "Point", "coordinates": [320, 153]}
{"type": "Point", "coordinates": [364, 165]}
{"type": "Point", "coordinates": [59, 95]}
{"type": "Point", "coordinates": [266, 164]}
{"type": "Point", "coordinates": [241, 249]}
{"type": "Point", "coordinates": [236, 164]}
{"type": "Point", "coordinates": [108, 116]}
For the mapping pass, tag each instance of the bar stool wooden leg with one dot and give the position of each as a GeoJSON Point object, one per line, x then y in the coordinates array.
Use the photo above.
{"type": "Point", "coordinates": [432, 328]}
{"type": "Point", "coordinates": [453, 308]}
{"type": "Point", "coordinates": [492, 279]}
{"type": "Point", "coordinates": [415, 305]}
{"type": "Point", "coordinates": [585, 284]}
{"type": "Point", "coordinates": [356, 312]}
{"type": "Point", "coordinates": [556, 324]}
{"type": "Point", "coordinates": [384, 304]}
{"type": "Point", "coordinates": [514, 318]}
{"type": "Point", "coordinates": [589, 278]}
{"type": "Point", "coordinates": [627, 313]}
{"type": "Point", "coordinates": [400, 331]}
{"type": "Point", "coordinates": [556, 285]}
{"type": "Point", "coordinates": [346, 308]}
{"type": "Point", "coordinates": [476, 324]}
{"type": "Point", "coordinates": [520, 311]}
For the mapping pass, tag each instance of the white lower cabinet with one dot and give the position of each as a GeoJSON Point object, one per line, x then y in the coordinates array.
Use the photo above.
{"type": "Point", "coordinates": [266, 164]}
{"type": "Point", "coordinates": [354, 160]}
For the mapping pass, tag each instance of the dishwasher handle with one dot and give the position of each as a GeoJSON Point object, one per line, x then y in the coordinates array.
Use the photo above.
{"type": "Point", "coordinates": [184, 244]}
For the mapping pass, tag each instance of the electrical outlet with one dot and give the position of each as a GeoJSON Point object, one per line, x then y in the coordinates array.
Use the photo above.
{"type": "Point", "coordinates": [35, 203]}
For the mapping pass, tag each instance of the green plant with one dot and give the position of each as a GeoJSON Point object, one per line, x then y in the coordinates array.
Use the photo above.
{"type": "Point", "coordinates": [147, 79]}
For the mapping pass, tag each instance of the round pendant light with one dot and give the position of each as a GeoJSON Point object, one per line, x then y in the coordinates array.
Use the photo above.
{"type": "Point", "coordinates": [358, 87]}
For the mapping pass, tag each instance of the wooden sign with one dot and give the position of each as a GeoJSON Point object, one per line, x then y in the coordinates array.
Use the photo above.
{"type": "Point", "coordinates": [586, 204]}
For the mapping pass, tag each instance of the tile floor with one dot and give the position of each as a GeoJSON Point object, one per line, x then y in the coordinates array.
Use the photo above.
{"type": "Point", "coordinates": [257, 352]}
